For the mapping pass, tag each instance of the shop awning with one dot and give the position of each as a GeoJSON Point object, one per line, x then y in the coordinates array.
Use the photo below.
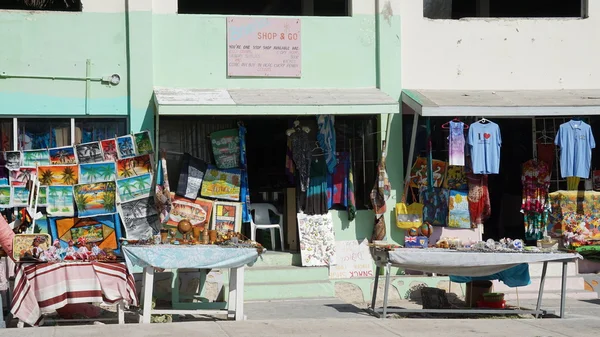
{"type": "Point", "coordinates": [517, 103]}
{"type": "Point", "coordinates": [177, 101]}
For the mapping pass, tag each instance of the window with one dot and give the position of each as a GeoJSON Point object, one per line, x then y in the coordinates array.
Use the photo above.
{"type": "Point", "coordinates": [6, 134]}
{"type": "Point", "coordinates": [94, 129]}
{"type": "Point", "coordinates": [457, 9]}
{"type": "Point", "coordinates": [266, 148]}
{"type": "Point", "coordinates": [43, 133]}
{"type": "Point", "coordinates": [266, 7]}
{"type": "Point", "coordinates": [42, 5]}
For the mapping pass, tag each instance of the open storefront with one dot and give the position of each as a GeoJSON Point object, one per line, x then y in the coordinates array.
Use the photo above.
{"type": "Point", "coordinates": [493, 173]}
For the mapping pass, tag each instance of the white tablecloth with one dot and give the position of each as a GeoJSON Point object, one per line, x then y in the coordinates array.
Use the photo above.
{"type": "Point", "coordinates": [443, 261]}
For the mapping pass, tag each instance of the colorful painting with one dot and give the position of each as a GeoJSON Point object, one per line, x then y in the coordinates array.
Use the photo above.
{"type": "Point", "coordinates": [62, 155]}
{"type": "Point", "coordinates": [435, 206]}
{"type": "Point", "coordinates": [226, 148]}
{"type": "Point", "coordinates": [104, 230]}
{"type": "Point", "coordinates": [42, 197]}
{"type": "Point", "coordinates": [42, 225]}
{"type": "Point", "coordinates": [198, 211]}
{"type": "Point", "coordinates": [143, 143]}
{"type": "Point", "coordinates": [89, 153]}
{"type": "Point", "coordinates": [22, 176]}
{"type": "Point", "coordinates": [458, 210]}
{"type": "Point", "coordinates": [140, 218]}
{"type": "Point", "coordinates": [135, 187]}
{"type": "Point", "coordinates": [191, 175]}
{"type": "Point", "coordinates": [23, 245]}
{"type": "Point", "coordinates": [20, 196]}
{"type": "Point", "coordinates": [95, 199]}
{"type": "Point", "coordinates": [60, 201]}
{"type": "Point", "coordinates": [418, 173]}
{"type": "Point", "coordinates": [13, 160]}
{"type": "Point", "coordinates": [317, 240]}
{"type": "Point", "coordinates": [58, 175]}
{"type": "Point", "coordinates": [5, 193]}
{"type": "Point", "coordinates": [36, 158]}
{"type": "Point", "coordinates": [135, 166]}
{"type": "Point", "coordinates": [227, 216]}
{"type": "Point", "coordinates": [95, 172]}
{"type": "Point", "coordinates": [109, 149]}
{"type": "Point", "coordinates": [125, 147]}
{"type": "Point", "coordinates": [221, 184]}
{"type": "Point", "coordinates": [456, 178]}
{"type": "Point", "coordinates": [572, 208]}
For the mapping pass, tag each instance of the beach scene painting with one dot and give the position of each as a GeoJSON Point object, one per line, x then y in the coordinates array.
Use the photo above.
{"type": "Point", "coordinates": [458, 206]}
{"type": "Point", "coordinates": [134, 188]}
{"type": "Point", "coordinates": [136, 166]}
{"type": "Point", "coordinates": [58, 175]}
{"type": "Point", "coordinates": [60, 201]}
{"type": "Point", "coordinates": [95, 172]}
{"type": "Point", "coordinates": [20, 196]}
{"type": "Point", "coordinates": [143, 144]}
{"type": "Point", "coordinates": [62, 155]}
{"type": "Point", "coordinates": [36, 158]}
{"type": "Point", "coordinates": [89, 153]}
{"type": "Point", "coordinates": [109, 149]}
{"type": "Point", "coordinates": [4, 196]}
{"type": "Point", "coordinates": [125, 147]}
{"type": "Point", "coordinates": [95, 199]}
{"type": "Point", "coordinates": [22, 176]}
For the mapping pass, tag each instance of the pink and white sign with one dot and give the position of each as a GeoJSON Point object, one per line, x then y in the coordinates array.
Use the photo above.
{"type": "Point", "coordinates": [263, 47]}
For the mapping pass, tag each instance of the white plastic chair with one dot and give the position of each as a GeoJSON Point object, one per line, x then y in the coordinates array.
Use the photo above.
{"type": "Point", "coordinates": [262, 220]}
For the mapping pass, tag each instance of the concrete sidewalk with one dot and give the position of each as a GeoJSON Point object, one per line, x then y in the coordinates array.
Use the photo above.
{"type": "Point", "coordinates": [330, 327]}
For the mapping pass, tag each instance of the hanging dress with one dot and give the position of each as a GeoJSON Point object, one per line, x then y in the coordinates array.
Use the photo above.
{"type": "Point", "coordinates": [301, 155]}
{"type": "Point", "coordinates": [535, 206]}
{"type": "Point", "coordinates": [316, 195]}
{"type": "Point", "coordinates": [456, 144]}
{"type": "Point", "coordinates": [379, 195]}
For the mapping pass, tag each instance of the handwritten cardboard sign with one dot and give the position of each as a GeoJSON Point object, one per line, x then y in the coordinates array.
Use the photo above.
{"type": "Point", "coordinates": [263, 47]}
{"type": "Point", "coordinates": [353, 260]}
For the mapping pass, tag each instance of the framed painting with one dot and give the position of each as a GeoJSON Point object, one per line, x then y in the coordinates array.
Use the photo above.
{"type": "Point", "coordinates": [13, 160]}
{"type": "Point", "coordinates": [143, 143]}
{"type": "Point", "coordinates": [22, 176]}
{"type": "Point", "coordinates": [36, 158]}
{"type": "Point", "coordinates": [95, 172]}
{"type": "Point", "coordinates": [135, 166]}
{"type": "Point", "coordinates": [197, 211]}
{"type": "Point", "coordinates": [125, 147]}
{"type": "Point", "coordinates": [95, 199]}
{"type": "Point", "coordinates": [89, 153]}
{"type": "Point", "coordinates": [104, 230]}
{"type": "Point", "coordinates": [42, 197]}
{"type": "Point", "coordinates": [58, 175]}
{"type": "Point", "coordinates": [20, 196]}
{"type": "Point", "coordinates": [60, 201]}
{"type": "Point", "coordinates": [134, 188]}
{"type": "Point", "coordinates": [109, 149]}
{"type": "Point", "coordinates": [227, 216]}
{"type": "Point", "coordinates": [62, 155]}
{"type": "Point", "coordinates": [222, 184]}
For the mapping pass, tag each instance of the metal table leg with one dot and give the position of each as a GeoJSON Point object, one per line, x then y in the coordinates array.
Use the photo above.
{"type": "Point", "coordinates": [541, 291]}
{"type": "Point", "coordinates": [563, 290]}
{"type": "Point", "coordinates": [386, 289]}
{"type": "Point", "coordinates": [375, 287]}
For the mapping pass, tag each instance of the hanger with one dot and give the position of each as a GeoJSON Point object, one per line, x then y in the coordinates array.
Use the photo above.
{"type": "Point", "coordinates": [544, 136]}
{"type": "Point", "coordinates": [456, 120]}
{"type": "Point", "coordinates": [483, 120]}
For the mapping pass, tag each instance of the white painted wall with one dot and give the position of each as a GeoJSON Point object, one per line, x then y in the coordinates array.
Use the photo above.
{"type": "Point", "coordinates": [499, 54]}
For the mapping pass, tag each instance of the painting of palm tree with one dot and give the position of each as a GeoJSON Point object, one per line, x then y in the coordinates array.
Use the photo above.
{"type": "Point", "coordinates": [4, 195]}
{"type": "Point", "coordinates": [143, 143]}
{"type": "Point", "coordinates": [94, 172]}
{"type": "Point", "coordinates": [36, 157]}
{"type": "Point", "coordinates": [136, 166]}
{"type": "Point", "coordinates": [46, 177]}
{"type": "Point", "coordinates": [60, 199]}
{"type": "Point", "coordinates": [89, 153]}
{"type": "Point", "coordinates": [81, 200]}
{"type": "Point", "coordinates": [134, 187]}
{"type": "Point", "coordinates": [100, 198]}
{"type": "Point", "coordinates": [125, 147]}
{"type": "Point", "coordinates": [109, 148]}
{"type": "Point", "coordinates": [90, 174]}
{"type": "Point", "coordinates": [69, 176]}
{"type": "Point", "coordinates": [62, 155]}
{"type": "Point", "coordinates": [53, 195]}
{"type": "Point", "coordinates": [20, 196]}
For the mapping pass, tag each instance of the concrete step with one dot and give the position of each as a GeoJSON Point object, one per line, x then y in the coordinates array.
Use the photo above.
{"type": "Point", "coordinates": [272, 274]}
{"type": "Point", "coordinates": [274, 258]}
{"type": "Point", "coordinates": [287, 290]}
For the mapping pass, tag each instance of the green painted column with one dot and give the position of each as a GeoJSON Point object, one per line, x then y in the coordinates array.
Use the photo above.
{"type": "Point", "coordinates": [388, 80]}
{"type": "Point", "coordinates": [140, 67]}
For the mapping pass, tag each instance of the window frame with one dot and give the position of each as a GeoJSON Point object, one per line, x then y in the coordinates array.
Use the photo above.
{"type": "Point", "coordinates": [5, 5]}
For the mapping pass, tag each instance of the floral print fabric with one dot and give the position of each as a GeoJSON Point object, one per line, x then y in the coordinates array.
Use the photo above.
{"type": "Point", "coordinates": [317, 240]}
{"type": "Point", "coordinates": [535, 207]}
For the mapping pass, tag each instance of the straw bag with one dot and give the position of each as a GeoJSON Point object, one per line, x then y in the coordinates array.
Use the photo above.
{"type": "Point", "coordinates": [409, 216]}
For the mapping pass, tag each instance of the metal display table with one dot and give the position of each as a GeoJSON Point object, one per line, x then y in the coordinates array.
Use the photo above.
{"type": "Point", "coordinates": [464, 263]}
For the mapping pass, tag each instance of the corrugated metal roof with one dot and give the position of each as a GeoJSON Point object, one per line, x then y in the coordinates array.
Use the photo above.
{"type": "Point", "coordinates": [518, 103]}
{"type": "Point", "coordinates": [191, 96]}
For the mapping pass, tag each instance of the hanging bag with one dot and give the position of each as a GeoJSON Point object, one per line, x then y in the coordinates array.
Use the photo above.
{"type": "Point", "coordinates": [409, 216]}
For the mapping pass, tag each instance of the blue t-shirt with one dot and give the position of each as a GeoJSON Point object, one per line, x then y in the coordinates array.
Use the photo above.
{"type": "Point", "coordinates": [576, 142]}
{"type": "Point", "coordinates": [484, 143]}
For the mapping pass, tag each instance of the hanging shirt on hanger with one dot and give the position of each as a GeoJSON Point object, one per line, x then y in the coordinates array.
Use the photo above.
{"type": "Point", "coordinates": [485, 142]}
{"type": "Point", "coordinates": [576, 142]}
{"type": "Point", "coordinates": [456, 144]}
